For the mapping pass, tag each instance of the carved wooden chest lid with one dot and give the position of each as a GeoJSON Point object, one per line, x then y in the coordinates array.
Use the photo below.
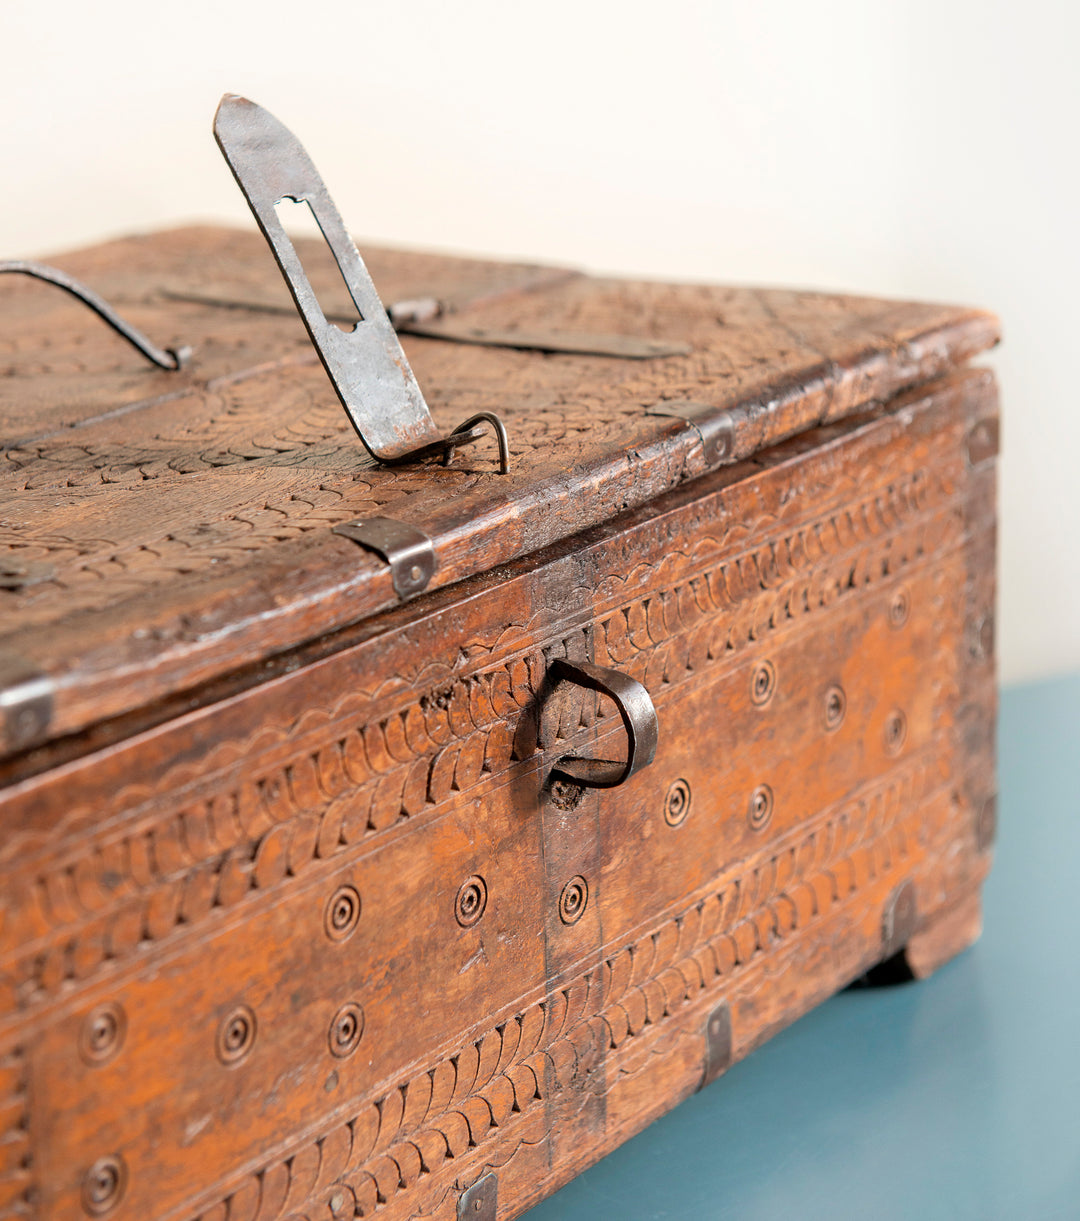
{"type": "Point", "coordinates": [168, 537]}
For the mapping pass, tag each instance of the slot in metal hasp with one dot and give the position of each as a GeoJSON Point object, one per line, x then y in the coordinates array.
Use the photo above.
{"type": "Point", "coordinates": [366, 366]}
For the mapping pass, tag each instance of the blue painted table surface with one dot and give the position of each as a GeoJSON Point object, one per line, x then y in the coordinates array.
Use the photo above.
{"type": "Point", "coordinates": [956, 1097]}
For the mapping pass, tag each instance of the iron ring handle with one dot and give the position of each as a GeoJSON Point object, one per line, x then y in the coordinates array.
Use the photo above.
{"type": "Point", "coordinates": [638, 718]}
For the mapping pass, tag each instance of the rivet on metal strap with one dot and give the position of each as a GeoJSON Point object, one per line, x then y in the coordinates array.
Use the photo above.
{"type": "Point", "coordinates": [715, 427]}
{"type": "Point", "coordinates": [481, 1201]}
{"type": "Point", "coordinates": [718, 1044]}
{"type": "Point", "coordinates": [899, 919]}
{"type": "Point", "coordinates": [983, 441]}
{"type": "Point", "coordinates": [406, 549]}
{"type": "Point", "coordinates": [26, 702]}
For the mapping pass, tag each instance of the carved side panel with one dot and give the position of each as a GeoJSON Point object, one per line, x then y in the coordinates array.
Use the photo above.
{"type": "Point", "coordinates": [332, 947]}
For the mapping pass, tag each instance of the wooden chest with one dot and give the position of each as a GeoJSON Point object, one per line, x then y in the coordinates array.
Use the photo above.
{"type": "Point", "coordinates": [309, 906]}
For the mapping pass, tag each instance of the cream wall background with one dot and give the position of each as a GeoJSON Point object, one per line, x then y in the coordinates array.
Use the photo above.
{"type": "Point", "coordinates": [913, 149]}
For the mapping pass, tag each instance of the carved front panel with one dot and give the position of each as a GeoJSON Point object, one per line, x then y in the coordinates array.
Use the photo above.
{"type": "Point", "coordinates": [334, 947]}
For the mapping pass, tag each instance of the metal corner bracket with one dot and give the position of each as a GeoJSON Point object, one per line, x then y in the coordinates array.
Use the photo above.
{"type": "Point", "coordinates": [718, 1044]}
{"type": "Point", "coordinates": [480, 1202]}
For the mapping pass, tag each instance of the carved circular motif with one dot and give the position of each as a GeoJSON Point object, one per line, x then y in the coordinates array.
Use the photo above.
{"type": "Point", "coordinates": [835, 707]}
{"type": "Point", "coordinates": [895, 731]}
{"type": "Point", "coordinates": [760, 808]}
{"type": "Point", "coordinates": [899, 607]}
{"type": "Point", "coordinates": [103, 1185]}
{"type": "Point", "coordinates": [345, 1030]}
{"type": "Point", "coordinates": [677, 803]}
{"type": "Point", "coordinates": [236, 1035]}
{"type": "Point", "coordinates": [342, 913]}
{"type": "Point", "coordinates": [763, 683]}
{"type": "Point", "coordinates": [471, 901]}
{"type": "Point", "coordinates": [573, 900]}
{"type": "Point", "coordinates": [102, 1033]}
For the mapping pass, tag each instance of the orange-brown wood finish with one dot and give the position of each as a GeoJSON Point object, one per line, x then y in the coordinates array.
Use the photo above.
{"type": "Point", "coordinates": [298, 925]}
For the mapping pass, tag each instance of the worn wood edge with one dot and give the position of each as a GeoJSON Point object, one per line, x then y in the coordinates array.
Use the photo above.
{"type": "Point", "coordinates": [149, 650]}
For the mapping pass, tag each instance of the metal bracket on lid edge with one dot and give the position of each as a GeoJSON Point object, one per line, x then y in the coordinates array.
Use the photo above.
{"type": "Point", "coordinates": [407, 549]}
{"type": "Point", "coordinates": [26, 703]}
{"type": "Point", "coordinates": [714, 426]}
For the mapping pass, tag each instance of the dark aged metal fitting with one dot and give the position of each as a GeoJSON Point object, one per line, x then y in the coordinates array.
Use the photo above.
{"type": "Point", "coordinates": [407, 549]}
{"type": "Point", "coordinates": [763, 683]}
{"type": "Point", "coordinates": [718, 1044]}
{"type": "Point", "coordinates": [895, 731]}
{"type": "Point", "coordinates": [677, 803]}
{"type": "Point", "coordinates": [467, 433]}
{"type": "Point", "coordinates": [760, 808]}
{"type": "Point", "coordinates": [638, 717]}
{"type": "Point", "coordinates": [899, 607]}
{"type": "Point", "coordinates": [102, 1033]}
{"type": "Point", "coordinates": [103, 1185]}
{"type": "Point", "coordinates": [26, 701]}
{"type": "Point", "coordinates": [236, 1035]}
{"type": "Point", "coordinates": [164, 358]}
{"type": "Point", "coordinates": [983, 441]}
{"type": "Point", "coordinates": [980, 634]}
{"type": "Point", "coordinates": [986, 824]}
{"type": "Point", "coordinates": [570, 343]}
{"type": "Point", "coordinates": [366, 365]}
{"type": "Point", "coordinates": [715, 427]}
{"type": "Point", "coordinates": [898, 919]}
{"type": "Point", "coordinates": [835, 707]}
{"type": "Point", "coordinates": [346, 1029]}
{"type": "Point", "coordinates": [342, 913]}
{"type": "Point", "coordinates": [471, 901]}
{"type": "Point", "coordinates": [573, 900]}
{"type": "Point", "coordinates": [424, 316]}
{"type": "Point", "coordinates": [481, 1201]}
